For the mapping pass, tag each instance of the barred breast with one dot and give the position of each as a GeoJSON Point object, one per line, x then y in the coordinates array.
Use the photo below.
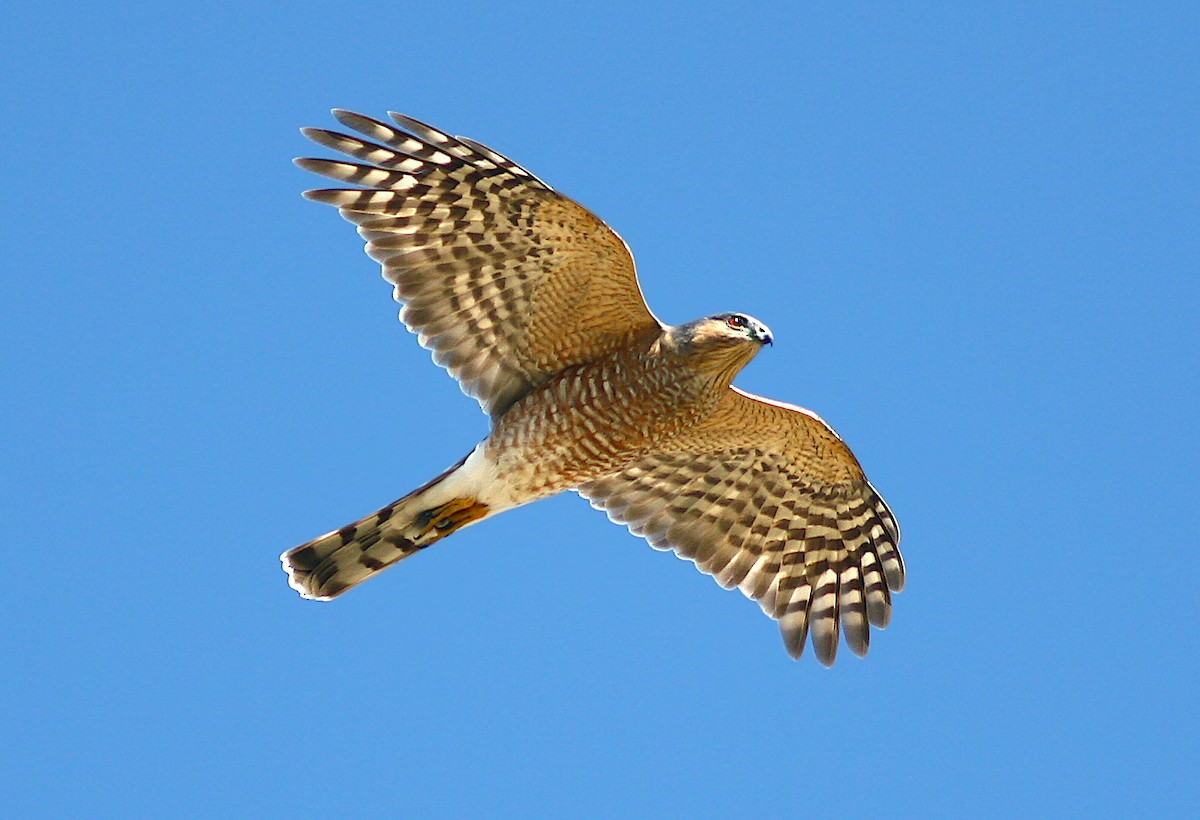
{"type": "Point", "coordinates": [594, 418]}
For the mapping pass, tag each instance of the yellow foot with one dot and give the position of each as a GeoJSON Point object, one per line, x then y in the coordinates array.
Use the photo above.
{"type": "Point", "coordinates": [443, 520]}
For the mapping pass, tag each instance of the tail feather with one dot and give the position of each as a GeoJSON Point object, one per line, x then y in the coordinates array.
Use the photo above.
{"type": "Point", "coordinates": [326, 567]}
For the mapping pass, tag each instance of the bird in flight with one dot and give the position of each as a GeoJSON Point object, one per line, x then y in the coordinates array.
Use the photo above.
{"type": "Point", "coordinates": [532, 303]}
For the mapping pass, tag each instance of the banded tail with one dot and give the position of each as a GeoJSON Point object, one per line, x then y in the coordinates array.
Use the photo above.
{"type": "Point", "coordinates": [326, 567]}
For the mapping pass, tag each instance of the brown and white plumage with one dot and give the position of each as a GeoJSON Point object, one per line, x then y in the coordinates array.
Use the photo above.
{"type": "Point", "coordinates": [767, 498]}
{"type": "Point", "coordinates": [532, 303]}
{"type": "Point", "coordinates": [505, 280]}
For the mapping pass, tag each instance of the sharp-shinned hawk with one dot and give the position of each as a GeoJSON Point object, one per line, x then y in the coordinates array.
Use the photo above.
{"type": "Point", "coordinates": [532, 303]}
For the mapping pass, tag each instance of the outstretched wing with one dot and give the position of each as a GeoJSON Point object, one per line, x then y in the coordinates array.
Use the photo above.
{"type": "Point", "coordinates": [505, 280]}
{"type": "Point", "coordinates": [766, 497]}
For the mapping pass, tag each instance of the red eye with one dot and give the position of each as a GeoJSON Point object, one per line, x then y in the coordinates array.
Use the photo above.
{"type": "Point", "coordinates": [736, 322]}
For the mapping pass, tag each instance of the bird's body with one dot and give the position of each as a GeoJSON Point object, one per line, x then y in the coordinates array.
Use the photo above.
{"type": "Point", "coordinates": [532, 303]}
{"type": "Point", "coordinates": [633, 402]}
{"type": "Point", "coordinates": [576, 427]}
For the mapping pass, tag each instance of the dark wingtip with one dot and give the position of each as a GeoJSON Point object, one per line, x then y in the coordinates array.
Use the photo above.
{"type": "Point", "coordinates": [411, 124]}
{"type": "Point", "coordinates": [794, 641]}
{"type": "Point", "coordinates": [826, 656]}
{"type": "Point", "coordinates": [859, 644]}
{"type": "Point", "coordinates": [354, 120]}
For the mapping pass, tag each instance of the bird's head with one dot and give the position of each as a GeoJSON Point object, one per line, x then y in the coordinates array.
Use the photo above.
{"type": "Point", "coordinates": [738, 327]}
{"type": "Point", "coordinates": [725, 342]}
{"type": "Point", "coordinates": [723, 331]}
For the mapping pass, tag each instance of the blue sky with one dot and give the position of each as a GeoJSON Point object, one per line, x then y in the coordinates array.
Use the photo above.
{"type": "Point", "coordinates": [973, 231]}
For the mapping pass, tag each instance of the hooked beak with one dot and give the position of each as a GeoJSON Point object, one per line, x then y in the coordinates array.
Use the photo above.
{"type": "Point", "coordinates": [763, 334]}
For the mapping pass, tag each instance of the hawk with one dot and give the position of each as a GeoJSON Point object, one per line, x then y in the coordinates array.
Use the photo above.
{"type": "Point", "coordinates": [532, 303]}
